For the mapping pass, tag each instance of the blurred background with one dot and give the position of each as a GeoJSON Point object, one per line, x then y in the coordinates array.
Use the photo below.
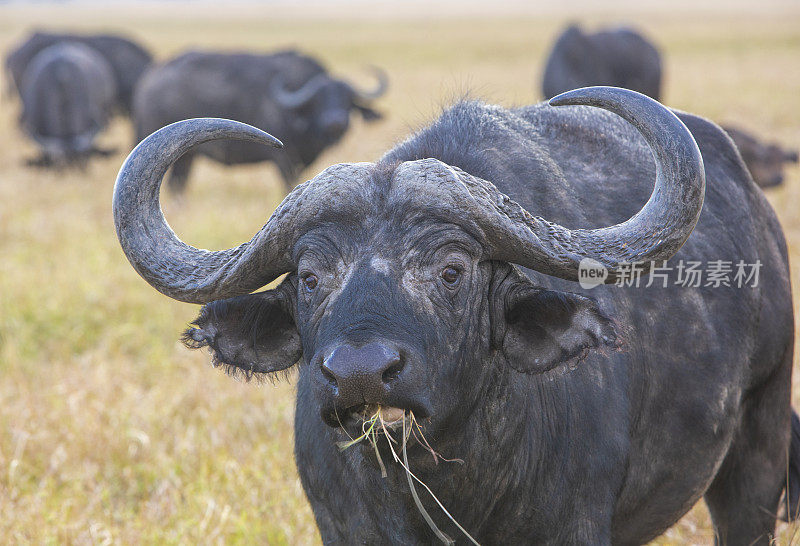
{"type": "Point", "coordinates": [110, 430]}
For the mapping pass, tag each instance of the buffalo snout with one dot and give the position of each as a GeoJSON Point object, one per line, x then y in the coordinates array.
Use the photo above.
{"type": "Point", "coordinates": [362, 375]}
{"type": "Point", "coordinates": [334, 124]}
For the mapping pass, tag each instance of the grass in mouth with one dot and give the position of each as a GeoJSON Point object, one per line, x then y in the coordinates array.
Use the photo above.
{"type": "Point", "coordinates": [371, 428]}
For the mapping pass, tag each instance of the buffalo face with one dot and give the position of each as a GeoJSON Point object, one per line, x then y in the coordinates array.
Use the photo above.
{"type": "Point", "coordinates": [766, 163]}
{"type": "Point", "coordinates": [329, 111]}
{"type": "Point", "coordinates": [390, 318]}
{"type": "Point", "coordinates": [764, 160]}
{"type": "Point", "coordinates": [400, 309]}
{"type": "Point", "coordinates": [322, 105]}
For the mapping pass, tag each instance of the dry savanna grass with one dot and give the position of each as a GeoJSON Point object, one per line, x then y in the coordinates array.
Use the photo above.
{"type": "Point", "coordinates": [110, 430]}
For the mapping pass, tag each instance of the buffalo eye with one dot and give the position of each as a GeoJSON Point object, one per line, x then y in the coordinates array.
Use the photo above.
{"type": "Point", "coordinates": [310, 281]}
{"type": "Point", "coordinates": [451, 275]}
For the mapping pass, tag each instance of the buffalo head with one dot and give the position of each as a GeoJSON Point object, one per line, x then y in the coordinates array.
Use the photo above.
{"type": "Point", "coordinates": [400, 288]}
{"type": "Point", "coordinates": [323, 104]}
{"type": "Point", "coordinates": [764, 160]}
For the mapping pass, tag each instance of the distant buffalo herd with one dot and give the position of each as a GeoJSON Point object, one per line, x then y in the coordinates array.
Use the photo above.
{"type": "Point", "coordinates": [70, 85]}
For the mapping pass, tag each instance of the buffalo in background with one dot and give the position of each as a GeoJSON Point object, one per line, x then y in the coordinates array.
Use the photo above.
{"type": "Point", "coordinates": [623, 58]}
{"type": "Point", "coordinates": [126, 59]}
{"type": "Point", "coordinates": [620, 57]}
{"type": "Point", "coordinates": [287, 93]}
{"type": "Point", "coordinates": [764, 161]}
{"type": "Point", "coordinates": [68, 93]}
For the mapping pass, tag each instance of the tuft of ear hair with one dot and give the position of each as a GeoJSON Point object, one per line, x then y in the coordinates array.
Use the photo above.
{"type": "Point", "coordinates": [545, 329]}
{"type": "Point", "coordinates": [249, 336]}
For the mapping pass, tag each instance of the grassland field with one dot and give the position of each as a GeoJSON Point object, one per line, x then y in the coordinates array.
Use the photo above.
{"type": "Point", "coordinates": [113, 432]}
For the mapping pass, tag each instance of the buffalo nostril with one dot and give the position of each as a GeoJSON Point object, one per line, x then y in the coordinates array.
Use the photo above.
{"type": "Point", "coordinates": [393, 370]}
{"type": "Point", "coordinates": [328, 374]}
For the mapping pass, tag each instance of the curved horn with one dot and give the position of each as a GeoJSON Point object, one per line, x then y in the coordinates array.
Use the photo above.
{"type": "Point", "coordinates": [655, 233]}
{"type": "Point", "coordinates": [158, 255]}
{"type": "Point", "coordinates": [513, 235]}
{"type": "Point", "coordinates": [295, 99]}
{"type": "Point", "coordinates": [380, 89]}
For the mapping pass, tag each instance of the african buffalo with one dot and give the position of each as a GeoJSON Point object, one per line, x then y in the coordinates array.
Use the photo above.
{"type": "Point", "coordinates": [288, 93]}
{"type": "Point", "coordinates": [764, 161]}
{"type": "Point", "coordinates": [619, 57]}
{"type": "Point", "coordinates": [427, 283]}
{"type": "Point", "coordinates": [127, 59]}
{"type": "Point", "coordinates": [67, 94]}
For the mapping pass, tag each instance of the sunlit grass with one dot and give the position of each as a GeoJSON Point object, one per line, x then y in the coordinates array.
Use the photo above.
{"type": "Point", "coordinates": [109, 428]}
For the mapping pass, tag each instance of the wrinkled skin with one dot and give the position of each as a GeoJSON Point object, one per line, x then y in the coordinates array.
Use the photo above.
{"type": "Point", "coordinates": [127, 59]}
{"type": "Point", "coordinates": [619, 57]}
{"type": "Point", "coordinates": [240, 86]}
{"type": "Point", "coordinates": [583, 417]}
{"type": "Point", "coordinates": [764, 161]}
{"type": "Point", "coordinates": [67, 98]}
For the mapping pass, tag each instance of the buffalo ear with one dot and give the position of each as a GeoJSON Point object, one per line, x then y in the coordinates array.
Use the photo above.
{"type": "Point", "coordinates": [250, 334]}
{"type": "Point", "coordinates": [545, 328]}
{"type": "Point", "coordinates": [368, 113]}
